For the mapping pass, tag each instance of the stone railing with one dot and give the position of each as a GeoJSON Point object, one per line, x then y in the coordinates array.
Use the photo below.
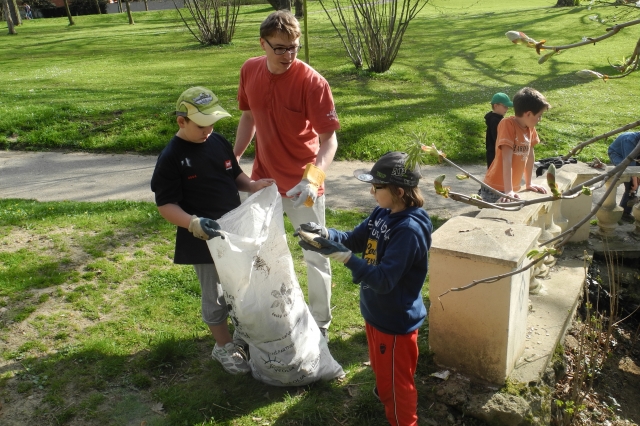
{"type": "Point", "coordinates": [481, 331]}
{"type": "Point", "coordinates": [610, 213]}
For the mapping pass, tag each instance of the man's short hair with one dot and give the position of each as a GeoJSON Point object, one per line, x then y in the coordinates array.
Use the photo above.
{"type": "Point", "coordinates": [529, 99]}
{"type": "Point", "coordinates": [283, 22]}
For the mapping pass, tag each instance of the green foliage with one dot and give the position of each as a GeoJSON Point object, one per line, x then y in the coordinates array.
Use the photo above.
{"type": "Point", "coordinates": [78, 92]}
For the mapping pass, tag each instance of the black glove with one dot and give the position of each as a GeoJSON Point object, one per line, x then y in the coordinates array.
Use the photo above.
{"type": "Point", "coordinates": [328, 248]}
{"type": "Point", "coordinates": [313, 228]}
{"type": "Point", "coordinates": [204, 228]}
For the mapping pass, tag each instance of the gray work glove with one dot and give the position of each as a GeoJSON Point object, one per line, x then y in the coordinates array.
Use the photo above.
{"type": "Point", "coordinates": [313, 228]}
{"type": "Point", "coordinates": [204, 228]}
{"type": "Point", "coordinates": [327, 248]}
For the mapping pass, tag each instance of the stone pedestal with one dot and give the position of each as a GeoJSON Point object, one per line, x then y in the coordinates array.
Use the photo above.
{"type": "Point", "coordinates": [480, 331]}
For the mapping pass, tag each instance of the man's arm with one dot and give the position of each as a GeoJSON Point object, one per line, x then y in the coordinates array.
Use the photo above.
{"type": "Point", "coordinates": [507, 158]}
{"type": "Point", "coordinates": [528, 169]}
{"type": "Point", "coordinates": [244, 134]}
{"type": "Point", "coordinates": [328, 147]}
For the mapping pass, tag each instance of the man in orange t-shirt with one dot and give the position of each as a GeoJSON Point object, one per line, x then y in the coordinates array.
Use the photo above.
{"type": "Point", "coordinates": [289, 108]}
{"type": "Point", "coordinates": [514, 148]}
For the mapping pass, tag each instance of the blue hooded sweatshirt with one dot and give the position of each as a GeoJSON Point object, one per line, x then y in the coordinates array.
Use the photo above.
{"type": "Point", "coordinates": [393, 267]}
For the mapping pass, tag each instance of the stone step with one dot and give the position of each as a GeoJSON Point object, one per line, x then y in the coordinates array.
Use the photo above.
{"type": "Point", "coordinates": [551, 313]}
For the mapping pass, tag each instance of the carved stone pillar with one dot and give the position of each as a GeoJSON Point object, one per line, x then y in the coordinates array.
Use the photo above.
{"type": "Point", "coordinates": [609, 214]}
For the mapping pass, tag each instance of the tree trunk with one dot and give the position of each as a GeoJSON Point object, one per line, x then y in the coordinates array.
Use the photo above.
{"type": "Point", "coordinates": [126, 2]}
{"type": "Point", "coordinates": [119, 6]}
{"type": "Point", "coordinates": [98, 7]}
{"type": "Point", "coordinates": [146, 5]}
{"type": "Point", "coordinates": [280, 4]}
{"type": "Point", "coordinates": [7, 16]}
{"type": "Point", "coordinates": [299, 8]}
{"type": "Point", "coordinates": [66, 5]}
{"type": "Point", "coordinates": [14, 12]}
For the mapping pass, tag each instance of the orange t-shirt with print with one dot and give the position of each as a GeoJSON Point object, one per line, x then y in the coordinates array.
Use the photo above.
{"type": "Point", "coordinates": [521, 140]}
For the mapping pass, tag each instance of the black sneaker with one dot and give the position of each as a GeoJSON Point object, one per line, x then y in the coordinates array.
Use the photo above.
{"type": "Point", "coordinates": [627, 218]}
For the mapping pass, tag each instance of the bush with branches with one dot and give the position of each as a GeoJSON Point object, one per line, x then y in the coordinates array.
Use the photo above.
{"type": "Point", "coordinates": [372, 31]}
{"type": "Point", "coordinates": [212, 22]}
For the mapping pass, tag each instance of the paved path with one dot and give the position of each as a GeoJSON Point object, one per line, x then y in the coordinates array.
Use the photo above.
{"type": "Point", "coordinates": [55, 176]}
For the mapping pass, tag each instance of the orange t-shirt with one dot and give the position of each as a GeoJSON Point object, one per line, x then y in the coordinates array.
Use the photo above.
{"type": "Point", "coordinates": [521, 140]}
{"type": "Point", "coordinates": [289, 111]}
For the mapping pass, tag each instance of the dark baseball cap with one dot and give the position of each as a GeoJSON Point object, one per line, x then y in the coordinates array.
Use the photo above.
{"type": "Point", "coordinates": [390, 169]}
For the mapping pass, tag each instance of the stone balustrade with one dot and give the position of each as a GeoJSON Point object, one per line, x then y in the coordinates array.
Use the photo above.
{"type": "Point", "coordinates": [481, 331]}
{"type": "Point", "coordinates": [610, 213]}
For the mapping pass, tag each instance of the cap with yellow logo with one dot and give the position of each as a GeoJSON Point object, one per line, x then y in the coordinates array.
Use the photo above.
{"type": "Point", "coordinates": [201, 106]}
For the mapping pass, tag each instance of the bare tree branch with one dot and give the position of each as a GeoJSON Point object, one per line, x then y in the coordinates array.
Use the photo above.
{"type": "Point", "coordinates": [494, 278]}
{"type": "Point", "coordinates": [616, 172]}
{"type": "Point", "coordinates": [578, 149]}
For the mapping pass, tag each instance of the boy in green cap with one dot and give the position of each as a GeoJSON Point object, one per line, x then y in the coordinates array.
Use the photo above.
{"type": "Point", "coordinates": [195, 181]}
{"type": "Point", "coordinates": [500, 104]}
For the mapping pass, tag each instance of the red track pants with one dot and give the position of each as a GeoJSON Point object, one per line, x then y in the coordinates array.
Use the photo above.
{"type": "Point", "coordinates": [394, 359]}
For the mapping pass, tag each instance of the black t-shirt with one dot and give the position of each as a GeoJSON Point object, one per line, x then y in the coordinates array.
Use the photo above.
{"type": "Point", "coordinates": [492, 119]}
{"type": "Point", "coordinates": [201, 179]}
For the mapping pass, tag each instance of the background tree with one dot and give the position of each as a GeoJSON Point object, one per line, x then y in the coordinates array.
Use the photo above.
{"type": "Point", "coordinates": [66, 6]}
{"type": "Point", "coordinates": [299, 8]}
{"type": "Point", "coordinates": [7, 17]}
{"type": "Point", "coordinates": [213, 22]}
{"type": "Point", "coordinates": [372, 31]}
{"type": "Point", "coordinates": [14, 12]}
{"type": "Point", "coordinates": [129, 12]}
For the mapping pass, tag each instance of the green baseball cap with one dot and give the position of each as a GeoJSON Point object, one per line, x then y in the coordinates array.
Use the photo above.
{"type": "Point", "coordinates": [201, 106]}
{"type": "Point", "coordinates": [501, 98]}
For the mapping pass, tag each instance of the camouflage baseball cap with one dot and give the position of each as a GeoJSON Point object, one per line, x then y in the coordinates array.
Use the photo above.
{"type": "Point", "coordinates": [201, 106]}
{"type": "Point", "coordinates": [390, 168]}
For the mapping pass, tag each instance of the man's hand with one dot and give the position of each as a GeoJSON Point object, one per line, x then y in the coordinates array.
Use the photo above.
{"type": "Point", "coordinates": [306, 192]}
{"type": "Point", "coordinates": [328, 248]}
{"type": "Point", "coordinates": [204, 228]}
{"type": "Point", "coordinates": [303, 193]}
{"type": "Point", "coordinates": [313, 228]}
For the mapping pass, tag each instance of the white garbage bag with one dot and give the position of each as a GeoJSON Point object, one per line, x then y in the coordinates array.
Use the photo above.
{"type": "Point", "coordinates": [264, 298]}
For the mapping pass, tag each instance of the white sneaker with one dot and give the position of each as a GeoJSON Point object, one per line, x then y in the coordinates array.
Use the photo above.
{"type": "Point", "coordinates": [325, 334]}
{"type": "Point", "coordinates": [231, 359]}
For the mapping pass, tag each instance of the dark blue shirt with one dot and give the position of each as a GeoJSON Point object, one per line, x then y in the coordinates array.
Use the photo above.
{"type": "Point", "coordinates": [393, 267]}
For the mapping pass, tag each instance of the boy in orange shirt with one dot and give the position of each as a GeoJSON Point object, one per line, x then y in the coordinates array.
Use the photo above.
{"type": "Point", "coordinates": [514, 154]}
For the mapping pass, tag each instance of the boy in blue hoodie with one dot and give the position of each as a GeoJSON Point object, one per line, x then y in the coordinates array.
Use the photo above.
{"type": "Point", "coordinates": [394, 241]}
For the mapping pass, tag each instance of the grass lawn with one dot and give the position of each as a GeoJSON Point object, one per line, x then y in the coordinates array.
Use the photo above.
{"type": "Point", "coordinates": [104, 85]}
{"type": "Point", "coordinates": [98, 327]}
